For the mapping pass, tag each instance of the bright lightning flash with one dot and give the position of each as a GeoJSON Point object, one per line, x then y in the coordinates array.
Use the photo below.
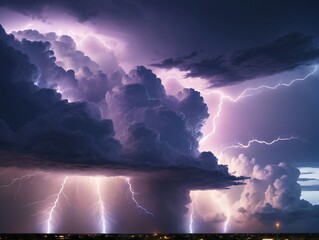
{"type": "Point", "coordinates": [220, 199]}
{"type": "Point", "coordinates": [101, 206]}
{"type": "Point", "coordinates": [20, 180]}
{"type": "Point", "coordinates": [133, 194]}
{"type": "Point", "coordinates": [191, 220]}
{"type": "Point", "coordinates": [246, 93]}
{"type": "Point", "coordinates": [242, 146]}
{"type": "Point", "coordinates": [191, 215]}
{"type": "Point", "coordinates": [54, 206]}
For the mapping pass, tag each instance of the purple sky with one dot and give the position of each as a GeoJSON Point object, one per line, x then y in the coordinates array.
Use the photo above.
{"type": "Point", "coordinates": [121, 116]}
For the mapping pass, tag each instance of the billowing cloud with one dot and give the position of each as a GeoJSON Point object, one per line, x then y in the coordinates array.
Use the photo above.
{"type": "Point", "coordinates": [158, 140]}
{"type": "Point", "coordinates": [64, 49]}
{"type": "Point", "coordinates": [84, 79]}
{"type": "Point", "coordinates": [272, 194]}
{"type": "Point", "coordinates": [66, 105]}
{"type": "Point", "coordinates": [38, 125]}
{"type": "Point", "coordinates": [282, 54]}
{"type": "Point", "coordinates": [143, 99]}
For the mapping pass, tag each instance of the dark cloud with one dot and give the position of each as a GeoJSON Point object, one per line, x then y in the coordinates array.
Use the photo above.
{"type": "Point", "coordinates": [174, 62]}
{"type": "Point", "coordinates": [142, 98]}
{"type": "Point", "coordinates": [63, 46]}
{"type": "Point", "coordinates": [178, 29]}
{"type": "Point", "coordinates": [306, 179]}
{"type": "Point", "coordinates": [67, 54]}
{"type": "Point", "coordinates": [83, 10]}
{"type": "Point", "coordinates": [45, 124]}
{"type": "Point", "coordinates": [195, 110]}
{"type": "Point", "coordinates": [284, 53]}
{"type": "Point", "coordinates": [83, 80]}
{"type": "Point", "coordinates": [130, 103]}
{"type": "Point", "coordinates": [39, 129]}
{"type": "Point", "coordinates": [310, 188]}
{"type": "Point", "coordinates": [148, 79]}
{"type": "Point", "coordinates": [158, 132]}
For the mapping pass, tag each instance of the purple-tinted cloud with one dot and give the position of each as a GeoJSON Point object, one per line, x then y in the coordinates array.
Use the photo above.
{"type": "Point", "coordinates": [48, 131]}
{"type": "Point", "coordinates": [282, 54]}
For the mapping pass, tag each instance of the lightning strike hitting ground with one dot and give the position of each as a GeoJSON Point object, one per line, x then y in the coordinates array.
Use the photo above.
{"type": "Point", "coordinates": [55, 203]}
{"type": "Point", "coordinates": [222, 201]}
{"type": "Point", "coordinates": [191, 215]}
{"type": "Point", "coordinates": [101, 207]}
{"type": "Point", "coordinates": [133, 194]}
{"type": "Point", "coordinates": [240, 145]}
{"type": "Point", "coordinates": [191, 219]}
{"type": "Point", "coordinates": [20, 180]}
{"type": "Point", "coordinates": [246, 93]}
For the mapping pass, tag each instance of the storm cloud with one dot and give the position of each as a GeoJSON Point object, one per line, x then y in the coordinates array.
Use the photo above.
{"type": "Point", "coordinates": [271, 194]}
{"type": "Point", "coordinates": [39, 125]}
{"type": "Point", "coordinates": [282, 54]}
{"type": "Point", "coordinates": [89, 93]}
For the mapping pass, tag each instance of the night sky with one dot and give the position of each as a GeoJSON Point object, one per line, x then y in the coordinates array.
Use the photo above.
{"type": "Point", "coordinates": [155, 116]}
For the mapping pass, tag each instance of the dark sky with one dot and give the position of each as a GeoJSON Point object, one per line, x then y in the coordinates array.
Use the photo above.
{"type": "Point", "coordinates": [166, 93]}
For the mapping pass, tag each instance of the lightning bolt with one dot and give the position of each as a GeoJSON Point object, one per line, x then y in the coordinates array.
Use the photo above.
{"type": "Point", "coordinates": [54, 206]}
{"type": "Point", "coordinates": [133, 194]}
{"type": "Point", "coordinates": [191, 218]}
{"type": "Point", "coordinates": [216, 116]}
{"type": "Point", "coordinates": [223, 204]}
{"type": "Point", "coordinates": [240, 145]}
{"type": "Point", "coordinates": [101, 206]}
{"type": "Point", "coordinates": [20, 180]}
{"type": "Point", "coordinates": [227, 220]}
{"type": "Point", "coordinates": [219, 199]}
{"type": "Point", "coordinates": [246, 93]}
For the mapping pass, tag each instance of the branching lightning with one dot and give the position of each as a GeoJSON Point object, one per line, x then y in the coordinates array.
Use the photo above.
{"type": "Point", "coordinates": [101, 207]}
{"type": "Point", "coordinates": [191, 219]}
{"type": "Point", "coordinates": [133, 194]}
{"type": "Point", "coordinates": [246, 93]}
{"type": "Point", "coordinates": [50, 211]}
{"type": "Point", "coordinates": [54, 206]}
{"type": "Point", "coordinates": [20, 180]}
{"type": "Point", "coordinates": [240, 145]}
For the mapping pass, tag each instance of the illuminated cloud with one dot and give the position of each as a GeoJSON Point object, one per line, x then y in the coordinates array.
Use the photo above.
{"type": "Point", "coordinates": [271, 194]}
{"type": "Point", "coordinates": [77, 99]}
{"type": "Point", "coordinates": [52, 132]}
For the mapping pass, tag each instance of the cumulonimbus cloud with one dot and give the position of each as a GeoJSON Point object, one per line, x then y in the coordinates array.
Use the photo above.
{"type": "Point", "coordinates": [272, 194]}
{"type": "Point", "coordinates": [39, 128]}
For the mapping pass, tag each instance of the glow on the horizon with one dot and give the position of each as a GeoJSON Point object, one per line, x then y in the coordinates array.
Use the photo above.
{"type": "Point", "coordinates": [218, 199]}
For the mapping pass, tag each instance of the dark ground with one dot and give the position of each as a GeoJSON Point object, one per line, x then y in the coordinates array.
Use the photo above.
{"type": "Point", "coordinates": [281, 236]}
